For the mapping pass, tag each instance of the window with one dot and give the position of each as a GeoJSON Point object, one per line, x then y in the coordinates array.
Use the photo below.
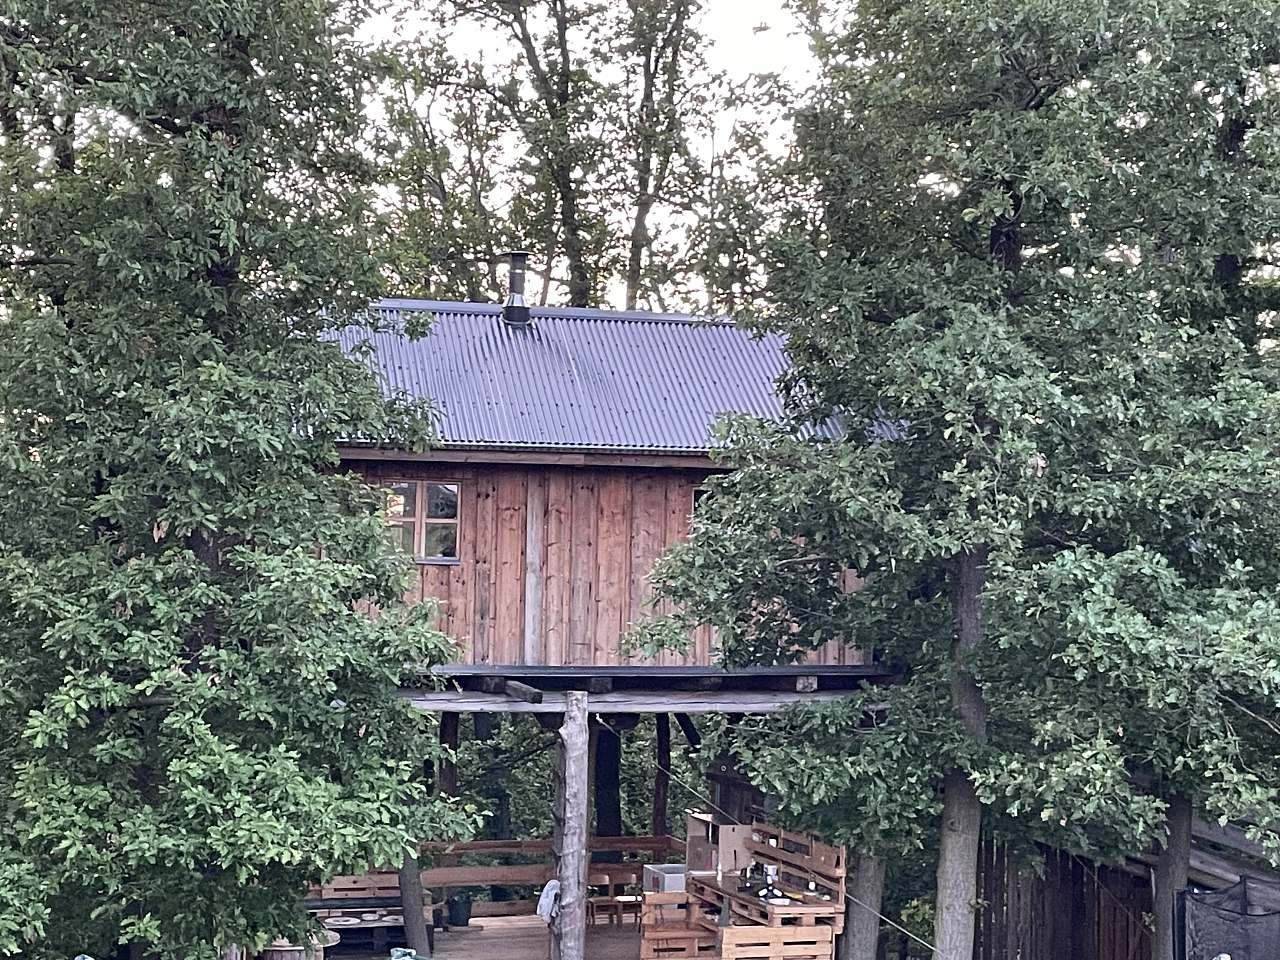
{"type": "Point", "coordinates": [425, 513]}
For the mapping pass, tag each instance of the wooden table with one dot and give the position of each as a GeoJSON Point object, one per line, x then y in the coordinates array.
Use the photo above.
{"type": "Point", "coordinates": [740, 900]}
{"type": "Point", "coordinates": [614, 909]}
{"type": "Point", "coordinates": [340, 906]}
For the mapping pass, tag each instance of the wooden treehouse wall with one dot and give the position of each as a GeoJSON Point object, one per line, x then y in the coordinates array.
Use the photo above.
{"type": "Point", "coordinates": [553, 561]}
{"type": "Point", "coordinates": [1076, 910]}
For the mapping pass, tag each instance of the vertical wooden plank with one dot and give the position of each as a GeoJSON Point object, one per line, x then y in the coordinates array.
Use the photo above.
{"type": "Point", "coordinates": [535, 529]}
{"type": "Point", "coordinates": [658, 823]}
{"type": "Point", "coordinates": [613, 564]}
{"type": "Point", "coordinates": [508, 612]}
{"type": "Point", "coordinates": [558, 586]}
{"type": "Point", "coordinates": [447, 771]}
{"type": "Point", "coordinates": [582, 563]}
{"type": "Point", "coordinates": [462, 574]}
{"type": "Point", "coordinates": [1088, 937]}
{"type": "Point", "coordinates": [648, 539]}
{"type": "Point", "coordinates": [569, 930]}
{"type": "Point", "coordinates": [482, 587]}
{"type": "Point", "coordinates": [679, 507]}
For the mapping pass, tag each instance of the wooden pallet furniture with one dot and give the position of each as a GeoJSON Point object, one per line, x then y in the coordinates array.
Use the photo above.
{"type": "Point", "coordinates": [678, 926]}
{"type": "Point", "coordinates": [666, 932]}
{"type": "Point", "coordinates": [756, 942]}
{"type": "Point", "coordinates": [615, 910]}
{"type": "Point", "coordinates": [811, 872]}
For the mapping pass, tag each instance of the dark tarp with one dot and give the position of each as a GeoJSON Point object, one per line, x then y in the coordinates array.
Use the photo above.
{"type": "Point", "coordinates": [1240, 922]}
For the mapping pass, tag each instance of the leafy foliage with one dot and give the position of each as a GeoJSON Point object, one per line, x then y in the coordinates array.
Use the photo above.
{"type": "Point", "coordinates": [200, 710]}
{"type": "Point", "coordinates": [1028, 290]}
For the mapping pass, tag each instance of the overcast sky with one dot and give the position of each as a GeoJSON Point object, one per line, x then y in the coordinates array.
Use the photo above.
{"type": "Point", "coordinates": [737, 47]}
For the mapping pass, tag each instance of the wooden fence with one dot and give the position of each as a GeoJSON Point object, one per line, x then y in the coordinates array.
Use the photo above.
{"type": "Point", "coordinates": [1075, 910]}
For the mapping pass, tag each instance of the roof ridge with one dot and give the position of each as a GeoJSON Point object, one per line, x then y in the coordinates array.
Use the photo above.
{"type": "Point", "coordinates": [470, 308]}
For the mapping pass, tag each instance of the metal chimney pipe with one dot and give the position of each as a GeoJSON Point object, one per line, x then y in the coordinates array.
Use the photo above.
{"type": "Point", "coordinates": [515, 310]}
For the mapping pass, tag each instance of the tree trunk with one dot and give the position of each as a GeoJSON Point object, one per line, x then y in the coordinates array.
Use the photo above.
{"type": "Point", "coordinates": [957, 869]}
{"type": "Point", "coordinates": [861, 937]}
{"type": "Point", "coordinates": [411, 902]}
{"type": "Point", "coordinates": [569, 930]}
{"type": "Point", "coordinates": [1171, 871]}
{"type": "Point", "coordinates": [957, 884]}
{"type": "Point", "coordinates": [659, 825]}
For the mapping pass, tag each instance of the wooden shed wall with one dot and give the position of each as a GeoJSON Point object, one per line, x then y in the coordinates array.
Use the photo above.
{"type": "Point", "coordinates": [554, 561]}
{"type": "Point", "coordinates": [1075, 910]}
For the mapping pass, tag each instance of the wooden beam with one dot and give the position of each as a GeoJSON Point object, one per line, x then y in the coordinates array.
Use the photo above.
{"type": "Point", "coordinates": [564, 673]}
{"type": "Point", "coordinates": [689, 730]}
{"type": "Point", "coordinates": [569, 930]}
{"type": "Point", "coordinates": [684, 702]}
{"type": "Point", "coordinates": [522, 691]}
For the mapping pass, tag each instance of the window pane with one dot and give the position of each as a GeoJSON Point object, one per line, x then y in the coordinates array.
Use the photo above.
{"type": "Point", "coordinates": [402, 499]}
{"type": "Point", "coordinates": [442, 501]}
{"type": "Point", "coordinates": [442, 540]}
{"type": "Point", "coordinates": [402, 539]}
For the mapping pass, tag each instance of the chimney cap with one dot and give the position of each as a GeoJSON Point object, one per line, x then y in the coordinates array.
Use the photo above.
{"type": "Point", "coordinates": [515, 311]}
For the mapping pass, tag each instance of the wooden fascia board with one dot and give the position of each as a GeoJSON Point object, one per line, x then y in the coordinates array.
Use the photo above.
{"type": "Point", "coordinates": [655, 701]}
{"type": "Point", "coordinates": [565, 458]}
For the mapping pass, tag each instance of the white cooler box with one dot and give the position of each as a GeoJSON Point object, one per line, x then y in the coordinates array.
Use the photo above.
{"type": "Point", "coordinates": [664, 877]}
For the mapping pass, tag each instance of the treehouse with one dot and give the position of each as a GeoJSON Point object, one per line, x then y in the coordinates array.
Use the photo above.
{"type": "Point", "coordinates": [573, 446]}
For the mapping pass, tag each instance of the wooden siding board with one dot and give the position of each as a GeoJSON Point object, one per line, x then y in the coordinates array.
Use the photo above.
{"type": "Point", "coordinates": [648, 540]}
{"type": "Point", "coordinates": [583, 570]}
{"type": "Point", "coordinates": [676, 529]}
{"type": "Point", "coordinates": [558, 589]}
{"type": "Point", "coordinates": [535, 530]}
{"type": "Point", "coordinates": [485, 577]}
{"type": "Point", "coordinates": [508, 563]}
{"type": "Point", "coordinates": [613, 553]}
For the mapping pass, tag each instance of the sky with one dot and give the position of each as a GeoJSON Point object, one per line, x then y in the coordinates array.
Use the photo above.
{"type": "Point", "coordinates": [739, 47]}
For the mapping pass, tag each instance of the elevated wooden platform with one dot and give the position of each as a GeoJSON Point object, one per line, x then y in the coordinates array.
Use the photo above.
{"type": "Point", "coordinates": [526, 938]}
{"type": "Point", "coordinates": [522, 688]}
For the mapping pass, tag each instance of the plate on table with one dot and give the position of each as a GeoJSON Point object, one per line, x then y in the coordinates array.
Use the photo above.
{"type": "Point", "coordinates": [341, 921]}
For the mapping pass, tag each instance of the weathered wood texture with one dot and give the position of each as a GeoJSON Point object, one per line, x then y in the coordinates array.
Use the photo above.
{"type": "Point", "coordinates": [1076, 910]}
{"type": "Point", "coordinates": [569, 845]}
{"type": "Point", "coordinates": [554, 561]}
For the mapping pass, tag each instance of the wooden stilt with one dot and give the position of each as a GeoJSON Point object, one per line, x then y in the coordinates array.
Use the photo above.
{"type": "Point", "coordinates": [569, 931]}
{"type": "Point", "coordinates": [447, 777]}
{"type": "Point", "coordinates": [608, 788]}
{"type": "Point", "coordinates": [661, 776]}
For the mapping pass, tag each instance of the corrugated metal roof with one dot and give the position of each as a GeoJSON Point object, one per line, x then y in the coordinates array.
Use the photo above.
{"type": "Point", "coordinates": [576, 379]}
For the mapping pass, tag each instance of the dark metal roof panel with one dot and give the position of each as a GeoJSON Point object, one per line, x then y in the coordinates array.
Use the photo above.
{"type": "Point", "coordinates": [576, 379]}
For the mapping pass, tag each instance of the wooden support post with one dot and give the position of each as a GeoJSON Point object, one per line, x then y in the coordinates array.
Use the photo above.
{"type": "Point", "coordinates": [1170, 876]}
{"type": "Point", "coordinates": [569, 930]}
{"type": "Point", "coordinates": [607, 789]}
{"type": "Point", "coordinates": [661, 775]}
{"type": "Point", "coordinates": [447, 777]}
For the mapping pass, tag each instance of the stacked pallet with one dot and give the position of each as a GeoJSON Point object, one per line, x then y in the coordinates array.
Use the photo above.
{"type": "Point", "coordinates": [726, 918]}
{"type": "Point", "coordinates": [667, 934]}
